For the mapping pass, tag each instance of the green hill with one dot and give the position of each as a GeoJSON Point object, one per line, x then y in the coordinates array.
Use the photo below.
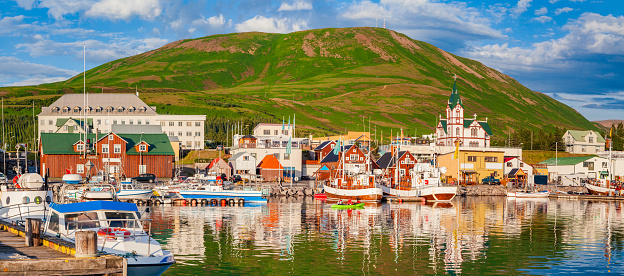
{"type": "Point", "coordinates": [331, 78]}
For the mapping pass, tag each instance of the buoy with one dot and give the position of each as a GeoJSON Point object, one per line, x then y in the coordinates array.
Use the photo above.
{"type": "Point", "coordinates": [148, 202]}
{"type": "Point", "coordinates": [223, 202]}
{"type": "Point", "coordinates": [214, 202]}
{"type": "Point", "coordinates": [184, 202]}
{"type": "Point", "coordinates": [241, 202]}
{"type": "Point", "coordinates": [204, 202]}
{"type": "Point", "coordinates": [231, 202]}
{"type": "Point", "coordinates": [193, 202]}
{"type": "Point", "coordinates": [157, 202]}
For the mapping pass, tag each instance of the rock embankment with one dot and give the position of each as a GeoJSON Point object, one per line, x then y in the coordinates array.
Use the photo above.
{"type": "Point", "coordinates": [498, 190]}
{"type": "Point", "coordinates": [294, 191]}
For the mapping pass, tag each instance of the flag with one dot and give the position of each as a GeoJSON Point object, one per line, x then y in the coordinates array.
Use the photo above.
{"type": "Point", "coordinates": [283, 124]}
{"type": "Point", "coordinates": [456, 155]}
{"type": "Point", "coordinates": [289, 146]}
{"type": "Point", "coordinates": [611, 132]}
{"type": "Point", "coordinates": [288, 122]}
{"type": "Point", "coordinates": [337, 148]}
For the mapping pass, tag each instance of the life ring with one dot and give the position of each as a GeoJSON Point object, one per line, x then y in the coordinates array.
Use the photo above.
{"type": "Point", "coordinates": [113, 232]}
{"type": "Point", "coordinates": [15, 181]}
{"type": "Point", "coordinates": [358, 182]}
{"type": "Point", "coordinates": [213, 202]}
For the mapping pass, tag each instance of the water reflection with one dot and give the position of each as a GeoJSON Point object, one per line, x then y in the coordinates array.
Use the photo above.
{"type": "Point", "coordinates": [471, 235]}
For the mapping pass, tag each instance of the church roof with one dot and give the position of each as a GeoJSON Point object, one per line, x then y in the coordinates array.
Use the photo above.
{"type": "Point", "coordinates": [443, 122]}
{"type": "Point", "coordinates": [486, 127]}
{"type": "Point", "coordinates": [467, 123]}
{"type": "Point", "coordinates": [455, 99]}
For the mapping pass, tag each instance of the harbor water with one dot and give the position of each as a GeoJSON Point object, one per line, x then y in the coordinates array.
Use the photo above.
{"type": "Point", "coordinates": [471, 235]}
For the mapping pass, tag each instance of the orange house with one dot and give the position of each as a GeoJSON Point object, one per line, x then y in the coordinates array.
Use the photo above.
{"type": "Point", "coordinates": [271, 169]}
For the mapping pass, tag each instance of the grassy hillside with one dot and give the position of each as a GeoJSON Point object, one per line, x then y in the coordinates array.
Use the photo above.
{"type": "Point", "coordinates": [330, 78]}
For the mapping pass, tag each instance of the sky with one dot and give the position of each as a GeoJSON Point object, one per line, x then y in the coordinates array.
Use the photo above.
{"type": "Point", "coordinates": [571, 50]}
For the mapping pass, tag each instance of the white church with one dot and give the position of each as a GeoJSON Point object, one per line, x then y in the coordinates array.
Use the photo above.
{"type": "Point", "coordinates": [455, 128]}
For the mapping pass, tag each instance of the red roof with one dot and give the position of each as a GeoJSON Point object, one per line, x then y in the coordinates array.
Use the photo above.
{"type": "Point", "coordinates": [508, 159]}
{"type": "Point", "coordinates": [270, 162]}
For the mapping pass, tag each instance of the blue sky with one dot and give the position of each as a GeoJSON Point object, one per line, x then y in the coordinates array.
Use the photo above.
{"type": "Point", "coordinates": [571, 50]}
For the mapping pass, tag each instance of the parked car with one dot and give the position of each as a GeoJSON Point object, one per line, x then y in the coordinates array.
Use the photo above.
{"type": "Point", "coordinates": [146, 177]}
{"type": "Point", "coordinates": [491, 180]}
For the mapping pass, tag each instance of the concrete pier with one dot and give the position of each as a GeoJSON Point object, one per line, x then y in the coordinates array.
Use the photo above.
{"type": "Point", "coordinates": [55, 257]}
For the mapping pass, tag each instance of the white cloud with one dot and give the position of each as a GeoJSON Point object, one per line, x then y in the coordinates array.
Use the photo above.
{"type": "Point", "coordinates": [563, 10]}
{"type": "Point", "coordinates": [12, 25]}
{"type": "Point", "coordinates": [30, 73]}
{"type": "Point", "coordinates": [553, 1]}
{"type": "Point", "coordinates": [297, 6]}
{"type": "Point", "coordinates": [125, 9]}
{"type": "Point", "coordinates": [271, 25]}
{"type": "Point", "coordinates": [59, 8]}
{"type": "Point", "coordinates": [542, 19]}
{"type": "Point", "coordinates": [521, 7]}
{"type": "Point", "coordinates": [541, 11]}
{"type": "Point", "coordinates": [425, 19]}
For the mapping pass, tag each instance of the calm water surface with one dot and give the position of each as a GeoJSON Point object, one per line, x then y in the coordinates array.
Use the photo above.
{"type": "Point", "coordinates": [476, 235]}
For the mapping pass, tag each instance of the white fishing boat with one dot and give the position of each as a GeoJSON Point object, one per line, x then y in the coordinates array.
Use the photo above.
{"type": "Point", "coordinates": [425, 183]}
{"type": "Point", "coordinates": [208, 190]}
{"type": "Point", "coordinates": [28, 199]}
{"type": "Point", "coordinates": [599, 189]}
{"type": "Point", "coordinates": [120, 232]}
{"type": "Point", "coordinates": [129, 189]}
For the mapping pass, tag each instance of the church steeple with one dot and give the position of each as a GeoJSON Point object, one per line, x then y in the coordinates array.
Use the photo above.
{"type": "Point", "coordinates": [455, 99]}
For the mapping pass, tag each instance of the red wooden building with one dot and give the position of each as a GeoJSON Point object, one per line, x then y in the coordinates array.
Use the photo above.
{"type": "Point", "coordinates": [122, 155]}
{"type": "Point", "coordinates": [354, 157]}
{"type": "Point", "coordinates": [388, 164]}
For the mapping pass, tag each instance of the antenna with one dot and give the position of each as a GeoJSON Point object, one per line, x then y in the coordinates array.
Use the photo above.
{"type": "Point", "coordinates": [384, 23]}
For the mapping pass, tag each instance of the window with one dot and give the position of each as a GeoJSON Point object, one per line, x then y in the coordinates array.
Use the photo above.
{"type": "Point", "coordinates": [457, 131]}
{"type": "Point", "coordinates": [84, 216]}
{"type": "Point", "coordinates": [604, 164]}
{"type": "Point", "coordinates": [53, 225]}
{"type": "Point", "coordinates": [142, 169]}
{"type": "Point", "coordinates": [111, 137]}
{"type": "Point", "coordinates": [147, 122]}
{"type": "Point", "coordinates": [189, 143]}
{"type": "Point", "coordinates": [253, 155]}
{"type": "Point", "coordinates": [80, 147]}
{"type": "Point", "coordinates": [138, 122]}
{"type": "Point", "coordinates": [120, 109]}
{"type": "Point", "coordinates": [117, 148]}
{"type": "Point", "coordinates": [123, 122]}
{"type": "Point", "coordinates": [275, 132]}
{"type": "Point", "coordinates": [64, 127]}
{"type": "Point", "coordinates": [189, 133]}
{"type": "Point", "coordinates": [197, 124]}
{"type": "Point", "coordinates": [131, 109]}
{"type": "Point", "coordinates": [142, 147]}
{"type": "Point", "coordinates": [179, 123]}
{"type": "Point", "coordinates": [131, 122]}
{"type": "Point", "coordinates": [162, 123]}
{"type": "Point", "coordinates": [98, 109]}
{"type": "Point", "coordinates": [245, 158]}
{"type": "Point", "coordinates": [197, 144]}
{"type": "Point", "coordinates": [50, 122]}
{"type": "Point", "coordinates": [509, 164]}
{"type": "Point", "coordinates": [402, 171]}
{"type": "Point", "coordinates": [267, 132]}
{"type": "Point", "coordinates": [109, 109]}
{"type": "Point", "coordinates": [76, 109]}
{"type": "Point", "coordinates": [123, 220]}
{"type": "Point", "coordinates": [286, 156]}
{"type": "Point", "coordinates": [79, 168]}
{"type": "Point", "coordinates": [171, 133]}
{"type": "Point", "coordinates": [197, 133]}
{"type": "Point", "coordinates": [55, 109]}
{"type": "Point", "coordinates": [583, 149]}
{"type": "Point", "coordinates": [188, 124]}
{"type": "Point", "coordinates": [43, 122]}
{"type": "Point", "coordinates": [114, 122]}
{"type": "Point", "coordinates": [106, 122]}
{"type": "Point", "coordinates": [104, 148]}
{"type": "Point", "coordinates": [99, 121]}
{"type": "Point", "coordinates": [591, 140]}
{"type": "Point", "coordinates": [353, 157]}
{"type": "Point", "coordinates": [171, 123]}
{"type": "Point", "coordinates": [491, 159]}
{"type": "Point", "coordinates": [472, 159]}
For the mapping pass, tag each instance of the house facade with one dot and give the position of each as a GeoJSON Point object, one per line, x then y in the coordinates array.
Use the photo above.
{"type": "Point", "coordinates": [388, 165]}
{"type": "Point", "coordinates": [354, 160]}
{"type": "Point", "coordinates": [513, 167]}
{"type": "Point", "coordinates": [472, 166]}
{"type": "Point", "coordinates": [103, 110]}
{"type": "Point", "coordinates": [120, 155]}
{"type": "Point", "coordinates": [583, 141]}
{"type": "Point", "coordinates": [564, 169]}
{"type": "Point", "coordinates": [243, 163]}
{"type": "Point", "coordinates": [468, 132]}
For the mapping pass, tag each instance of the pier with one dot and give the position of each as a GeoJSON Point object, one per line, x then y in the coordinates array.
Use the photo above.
{"type": "Point", "coordinates": [53, 257]}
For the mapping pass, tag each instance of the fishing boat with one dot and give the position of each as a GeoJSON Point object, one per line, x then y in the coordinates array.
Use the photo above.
{"type": "Point", "coordinates": [129, 189]}
{"type": "Point", "coordinates": [28, 199]}
{"type": "Point", "coordinates": [212, 190]}
{"type": "Point", "coordinates": [120, 231]}
{"type": "Point", "coordinates": [425, 183]}
{"type": "Point", "coordinates": [356, 183]}
{"type": "Point", "coordinates": [528, 194]}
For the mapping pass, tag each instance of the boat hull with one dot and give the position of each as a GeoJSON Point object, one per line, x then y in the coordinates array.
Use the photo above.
{"type": "Point", "coordinates": [543, 194]}
{"type": "Point", "coordinates": [597, 190]}
{"type": "Point", "coordinates": [250, 196]}
{"type": "Point", "coordinates": [367, 194]}
{"type": "Point", "coordinates": [438, 193]}
{"type": "Point", "coordinates": [134, 194]}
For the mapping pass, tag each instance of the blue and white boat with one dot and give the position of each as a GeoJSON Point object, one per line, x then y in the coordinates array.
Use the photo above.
{"type": "Point", "coordinates": [120, 231]}
{"type": "Point", "coordinates": [207, 191]}
{"type": "Point", "coordinates": [129, 189]}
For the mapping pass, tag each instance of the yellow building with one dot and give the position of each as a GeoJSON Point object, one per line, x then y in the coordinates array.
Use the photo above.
{"type": "Point", "coordinates": [474, 165]}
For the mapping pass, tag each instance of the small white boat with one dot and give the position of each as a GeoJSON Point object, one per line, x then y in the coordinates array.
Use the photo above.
{"type": "Point", "coordinates": [521, 194]}
{"type": "Point", "coordinates": [30, 200]}
{"type": "Point", "coordinates": [210, 191]}
{"type": "Point", "coordinates": [129, 189]}
{"type": "Point", "coordinates": [598, 190]}
{"type": "Point", "coordinates": [120, 231]}
{"type": "Point", "coordinates": [355, 187]}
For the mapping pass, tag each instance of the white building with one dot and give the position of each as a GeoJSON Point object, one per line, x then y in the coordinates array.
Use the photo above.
{"type": "Point", "coordinates": [583, 141]}
{"type": "Point", "coordinates": [562, 168]}
{"type": "Point", "coordinates": [514, 163]}
{"type": "Point", "coordinates": [103, 110]}
{"type": "Point", "coordinates": [261, 145]}
{"type": "Point", "coordinates": [456, 128]}
{"type": "Point", "coordinates": [243, 163]}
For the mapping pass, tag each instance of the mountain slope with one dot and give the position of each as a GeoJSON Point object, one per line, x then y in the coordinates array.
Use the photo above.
{"type": "Point", "coordinates": [330, 78]}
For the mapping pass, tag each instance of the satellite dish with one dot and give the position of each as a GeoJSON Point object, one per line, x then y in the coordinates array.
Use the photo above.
{"type": "Point", "coordinates": [377, 172]}
{"type": "Point", "coordinates": [356, 169]}
{"type": "Point", "coordinates": [443, 170]}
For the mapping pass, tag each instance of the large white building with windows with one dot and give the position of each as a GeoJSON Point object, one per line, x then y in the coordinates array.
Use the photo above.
{"type": "Point", "coordinates": [103, 110]}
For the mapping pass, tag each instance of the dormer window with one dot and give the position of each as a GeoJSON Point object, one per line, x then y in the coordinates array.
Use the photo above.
{"type": "Point", "coordinates": [142, 147]}
{"type": "Point", "coordinates": [109, 109]}
{"type": "Point", "coordinates": [66, 109]}
{"type": "Point", "coordinates": [88, 109]}
{"type": "Point", "coordinates": [80, 147]}
{"type": "Point", "coordinates": [120, 109]}
{"type": "Point", "coordinates": [98, 109]}
{"type": "Point", "coordinates": [142, 109]}
{"type": "Point", "coordinates": [131, 109]}
{"type": "Point", "coordinates": [76, 109]}
{"type": "Point", "coordinates": [111, 137]}
{"type": "Point", "coordinates": [55, 109]}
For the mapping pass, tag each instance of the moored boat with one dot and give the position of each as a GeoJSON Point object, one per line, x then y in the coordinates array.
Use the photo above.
{"type": "Point", "coordinates": [129, 189]}
{"type": "Point", "coordinates": [29, 199]}
{"type": "Point", "coordinates": [528, 194]}
{"type": "Point", "coordinates": [598, 190]}
{"type": "Point", "coordinates": [425, 183]}
{"type": "Point", "coordinates": [356, 187]}
{"type": "Point", "coordinates": [207, 190]}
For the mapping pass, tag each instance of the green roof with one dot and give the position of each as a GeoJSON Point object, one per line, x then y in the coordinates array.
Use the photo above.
{"type": "Point", "coordinates": [455, 99]}
{"type": "Point", "coordinates": [486, 127]}
{"type": "Point", "coordinates": [579, 135]}
{"type": "Point", "coordinates": [61, 121]}
{"type": "Point", "coordinates": [566, 160]}
{"type": "Point", "coordinates": [467, 123]}
{"type": "Point", "coordinates": [62, 143]}
{"type": "Point", "coordinates": [443, 122]}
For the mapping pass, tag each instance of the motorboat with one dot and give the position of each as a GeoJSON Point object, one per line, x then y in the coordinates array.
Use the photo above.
{"type": "Point", "coordinates": [425, 182]}
{"type": "Point", "coordinates": [28, 199]}
{"type": "Point", "coordinates": [212, 190]}
{"type": "Point", "coordinates": [529, 194]}
{"type": "Point", "coordinates": [129, 189]}
{"type": "Point", "coordinates": [355, 187]}
{"type": "Point", "coordinates": [120, 231]}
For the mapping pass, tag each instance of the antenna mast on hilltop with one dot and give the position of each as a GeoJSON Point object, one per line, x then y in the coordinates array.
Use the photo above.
{"type": "Point", "coordinates": [384, 23]}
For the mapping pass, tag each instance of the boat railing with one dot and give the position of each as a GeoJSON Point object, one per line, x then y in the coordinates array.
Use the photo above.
{"type": "Point", "coordinates": [136, 224]}
{"type": "Point", "coordinates": [19, 214]}
{"type": "Point", "coordinates": [62, 197]}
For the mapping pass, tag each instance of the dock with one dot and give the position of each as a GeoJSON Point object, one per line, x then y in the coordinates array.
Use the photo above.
{"type": "Point", "coordinates": [54, 257]}
{"type": "Point", "coordinates": [586, 197]}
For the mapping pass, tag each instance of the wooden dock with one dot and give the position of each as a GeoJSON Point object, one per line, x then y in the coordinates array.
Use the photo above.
{"type": "Point", "coordinates": [55, 257]}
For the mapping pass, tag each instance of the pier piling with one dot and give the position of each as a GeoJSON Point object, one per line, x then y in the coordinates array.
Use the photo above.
{"type": "Point", "coordinates": [32, 232]}
{"type": "Point", "coordinates": [86, 244]}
